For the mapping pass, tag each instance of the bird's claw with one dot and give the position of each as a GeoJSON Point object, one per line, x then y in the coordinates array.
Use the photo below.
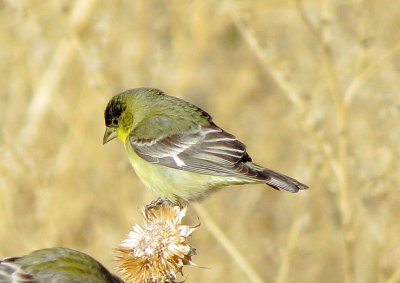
{"type": "Point", "coordinates": [159, 202]}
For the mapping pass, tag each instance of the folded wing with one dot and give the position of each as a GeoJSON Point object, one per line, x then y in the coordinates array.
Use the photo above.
{"type": "Point", "coordinates": [204, 149]}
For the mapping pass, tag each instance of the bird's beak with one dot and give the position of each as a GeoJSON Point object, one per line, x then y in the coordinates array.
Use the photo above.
{"type": "Point", "coordinates": [110, 134]}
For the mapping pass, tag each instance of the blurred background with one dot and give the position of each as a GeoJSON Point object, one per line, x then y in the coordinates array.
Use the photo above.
{"type": "Point", "coordinates": [312, 87]}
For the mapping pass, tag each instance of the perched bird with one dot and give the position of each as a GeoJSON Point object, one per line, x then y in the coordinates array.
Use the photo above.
{"type": "Point", "coordinates": [178, 151]}
{"type": "Point", "coordinates": [55, 265]}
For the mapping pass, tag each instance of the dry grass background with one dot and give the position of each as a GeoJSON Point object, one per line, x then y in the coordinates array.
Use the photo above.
{"type": "Point", "coordinates": [311, 87]}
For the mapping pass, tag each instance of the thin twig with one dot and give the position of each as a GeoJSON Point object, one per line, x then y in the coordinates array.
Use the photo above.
{"type": "Point", "coordinates": [229, 247]}
{"type": "Point", "coordinates": [363, 76]}
{"type": "Point", "coordinates": [342, 143]}
{"type": "Point", "coordinates": [291, 243]}
{"type": "Point", "coordinates": [293, 95]}
{"type": "Point", "coordinates": [47, 85]}
{"type": "Point", "coordinates": [323, 36]}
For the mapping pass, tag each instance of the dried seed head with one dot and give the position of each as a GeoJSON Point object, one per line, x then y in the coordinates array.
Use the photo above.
{"type": "Point", "coordinates": [156, 251]}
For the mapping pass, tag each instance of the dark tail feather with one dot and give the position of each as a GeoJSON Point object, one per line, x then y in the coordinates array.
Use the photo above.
{"type": "Point", "coordinates": [282, 182]}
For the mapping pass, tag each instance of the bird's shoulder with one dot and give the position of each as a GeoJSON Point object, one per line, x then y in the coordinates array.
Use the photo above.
{"type": "Point", "coordinates": [161, 124]}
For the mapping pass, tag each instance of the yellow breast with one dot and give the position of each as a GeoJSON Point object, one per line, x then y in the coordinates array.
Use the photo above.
{"type": "Point", "coordinates": [174, 184]}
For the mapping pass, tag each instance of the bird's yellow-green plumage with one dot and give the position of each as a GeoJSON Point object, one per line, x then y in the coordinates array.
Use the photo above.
{"type": "Point", "coordinates": [59, 265]}
{"type": "Point", "coordinates": [178, 151]}
{"type": "Point", "coordinates": [174, 184]}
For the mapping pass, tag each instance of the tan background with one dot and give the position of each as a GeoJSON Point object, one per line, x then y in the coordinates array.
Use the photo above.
{"type": "Point", "coordinates": [312, 88]}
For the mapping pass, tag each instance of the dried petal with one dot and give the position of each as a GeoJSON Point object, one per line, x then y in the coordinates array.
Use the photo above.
{"type": "Point", "coordinates": [156, 251]}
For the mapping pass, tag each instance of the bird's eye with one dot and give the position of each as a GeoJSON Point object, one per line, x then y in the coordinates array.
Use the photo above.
{"type": "Point", "coordinates": [114, 122]}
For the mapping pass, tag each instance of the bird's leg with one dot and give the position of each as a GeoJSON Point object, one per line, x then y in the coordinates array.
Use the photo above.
{"type": "Point", "coordinates": [158, 202]}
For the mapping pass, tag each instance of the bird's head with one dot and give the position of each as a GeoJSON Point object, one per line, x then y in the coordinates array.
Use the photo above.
{"type": "Point", "coordinates": [118, 119]}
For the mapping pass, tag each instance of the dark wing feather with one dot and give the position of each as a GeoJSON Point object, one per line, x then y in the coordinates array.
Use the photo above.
{"type": "Point", "coordinates": [11, 272]}
{"type": "Point", "coordinates": [205, 149]}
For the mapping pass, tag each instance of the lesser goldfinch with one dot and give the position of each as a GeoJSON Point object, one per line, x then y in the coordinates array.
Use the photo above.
{"type": "Point", "coordinates": [53, 265]}
{"type": "Point", "coordinates": [178, 151]}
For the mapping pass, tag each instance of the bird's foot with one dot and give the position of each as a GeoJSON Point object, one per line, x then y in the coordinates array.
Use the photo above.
{"type": "Point", "coordinates": [158, 202]}
{"type": "Point", "coordinates": [157, 205]}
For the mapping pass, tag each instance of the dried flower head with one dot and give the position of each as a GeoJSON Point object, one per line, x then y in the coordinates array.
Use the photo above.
{"type": "Point", "coordinates": [156, 251]}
